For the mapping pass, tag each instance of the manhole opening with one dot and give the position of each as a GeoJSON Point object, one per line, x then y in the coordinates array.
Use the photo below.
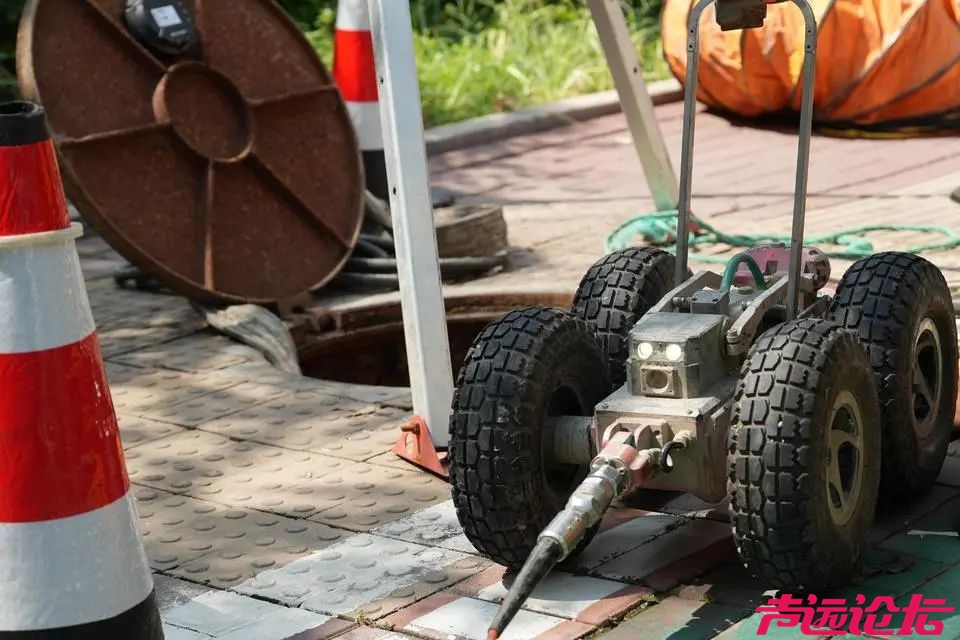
{"type": "Point", "coordinates": [367, 347]}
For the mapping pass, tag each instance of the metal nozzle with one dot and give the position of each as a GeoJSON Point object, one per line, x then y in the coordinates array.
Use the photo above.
{"type": "Point", "coordinates": [618, 468]}
{"type": "Point", "coordinates": [584, 509]}
{"type": "Point", "coordinates": [545, 555]}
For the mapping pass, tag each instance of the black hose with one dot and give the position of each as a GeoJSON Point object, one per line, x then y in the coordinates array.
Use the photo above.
{"type": "Point", "coordinates": [663, 463]}
{"type": "Point", "coordinates": [385, 242]}
{"type": "Point", "coordinates": [382, 272]}
{"type": "Point", "coordinates": [448, 266]}
{"type": "Point", "coordinates": [378, 210]}
{"type": "Point", "coordinates": [379, 280]}
{"type": "Point", "coordinates": [366, 245]}
{"type": "Point", "coordinates": [373, 263]}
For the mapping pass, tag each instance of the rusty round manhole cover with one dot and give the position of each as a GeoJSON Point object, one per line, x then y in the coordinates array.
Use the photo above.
{"type": "Point", "coordinates": [232, 172]}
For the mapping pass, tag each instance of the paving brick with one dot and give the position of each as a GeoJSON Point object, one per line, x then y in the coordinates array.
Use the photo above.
{"type": "Point", "coordinates": [692, 565]}
{"type": "Point", "coordinates": [445, 616]}
{"type": "Point", "coordinates": [318, 422]}
{"type": "Point", "coordinates": [199, 352]}
{"type": "Point", "coordinates": [661, 561]}
{"type": "Point", "coordinates": [219, 612]}
{"type": "Point", "coordinates": [891, 574]}
{"type": "Point", "coordinates": [264, 375]}
{"type": "Point", "coordinates": [369, 633]}
{"type": "Point", "coordinates": [172, 592]}
{"type": "Point", "coordinates": [933, 537]}
{"type": "Point", "coordinates": [284, 624]}
{"type": "Point", "coordinates": [435, 526]}
{"type": "Point", "coordinates": [224, 402]}
{"type": "Point", "coordinates": [380, 496]}
{"type": "Point", "coordinates": [136, 431]}
{"type": "Point", "coordinates": [451, 574]}
{"type": "Point", "coordinates": [118, 341]}
{"type": "Point", "coordinates": [582, 598]}
{"type": "Point", "coordinates": [128, 321]}
{"type": "Point", "coordinates": [395, 396]}
{"type": "Point", "coordinates": [622, 538]}
{"type": "Point", "coordinates": [211, 466]}
{"type": "Point", "coordinates": [229, 616]}
{"type": "Point", "coordinates": [731, 584]}
{"type": "Point", "coordinates": [218, 545]}
{"type": "Point", "coordinates": [893, 518]}
{"type": "Point", "coordinates": [333, 628]}
{"type": "Point", "coordinates": [361, 570]}
{"type": "Point", "coordinates": [138, 391]}
{"type": "Point", "coordinates": [677, 619]}
{"type": "Point", "coordinates": [390, 459]}
{"type": "Point", "coordinates": [171, 632]}
{"type": "Point", "coordinates": [113, 306]}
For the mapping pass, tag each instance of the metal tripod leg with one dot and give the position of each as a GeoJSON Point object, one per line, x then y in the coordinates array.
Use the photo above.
{"type": "Point", "coordinates": [421, 294]}
{"type": "Point", "coordinates": [637, 106]}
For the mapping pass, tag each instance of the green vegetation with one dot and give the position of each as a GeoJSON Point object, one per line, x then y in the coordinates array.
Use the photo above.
{"type": "Point", "coordinates": [476, 56]}
{"type": "Point", "coordinates": [481, 56]}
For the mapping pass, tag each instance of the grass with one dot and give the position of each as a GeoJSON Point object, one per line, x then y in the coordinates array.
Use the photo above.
{"type": "Point", "coordinates": [523, 53]}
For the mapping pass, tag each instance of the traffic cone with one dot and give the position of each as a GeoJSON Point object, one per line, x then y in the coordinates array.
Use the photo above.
{"type": "Point", "coordinates": [355, 72]}
{"type": "Point", "coordinates": [71, 559]}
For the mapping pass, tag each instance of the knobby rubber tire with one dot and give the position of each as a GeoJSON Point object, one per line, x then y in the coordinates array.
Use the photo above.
{"type": "Point", "coordinates": [499, 471]}
{"type": "Point", "coordinates": [615, 293]}
{"type": "Point", "coordinates": [883, 299]}
{"type": "Point", "coordinates": [778, 447]}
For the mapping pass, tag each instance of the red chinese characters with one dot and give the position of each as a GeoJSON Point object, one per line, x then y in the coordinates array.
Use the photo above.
{"type": "Point", "coordinates": [833, 616]}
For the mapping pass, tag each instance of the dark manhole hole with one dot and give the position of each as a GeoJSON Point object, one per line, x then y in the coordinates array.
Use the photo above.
{"type": "Point", "coordinates": [368, 345]}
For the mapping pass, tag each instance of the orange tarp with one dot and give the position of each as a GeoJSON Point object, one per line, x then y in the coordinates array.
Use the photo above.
{"type": "Point", "coordinates": [881, 64]}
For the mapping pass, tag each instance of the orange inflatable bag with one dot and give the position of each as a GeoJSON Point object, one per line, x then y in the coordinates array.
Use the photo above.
{"type": "Point", "coordinates": [884, 66]}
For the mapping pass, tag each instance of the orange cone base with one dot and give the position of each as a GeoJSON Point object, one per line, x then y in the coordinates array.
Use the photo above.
{"type": "Point", "coordinates": [416, 447]}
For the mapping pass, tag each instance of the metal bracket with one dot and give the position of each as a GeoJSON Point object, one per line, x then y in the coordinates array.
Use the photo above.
{"type": "Point", "coordinates": [740, 335]}
{"type": "Point", "coordinates": [701, 280]}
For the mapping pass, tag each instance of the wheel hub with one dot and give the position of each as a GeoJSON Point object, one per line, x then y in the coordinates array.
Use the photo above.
{"type": "Point", "coordinates": [844, 458]}
{"type": "Point", "coordinates": [926, 376]}
{"type": "Point", "coordinates": [561, 477]}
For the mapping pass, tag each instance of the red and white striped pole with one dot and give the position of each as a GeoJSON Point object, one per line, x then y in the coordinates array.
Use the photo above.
{"type": "Point", "coordinates": [72, 561]}
{"type": "Point", "coordinates": [355, 72]}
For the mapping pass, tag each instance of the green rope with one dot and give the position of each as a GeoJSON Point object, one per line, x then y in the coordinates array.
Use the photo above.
{"type": "Point", "coordinates": [660, 229]}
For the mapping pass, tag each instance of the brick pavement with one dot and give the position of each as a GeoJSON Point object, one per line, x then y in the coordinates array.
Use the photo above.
{"type": "Point", "coordinates": [271, 507]}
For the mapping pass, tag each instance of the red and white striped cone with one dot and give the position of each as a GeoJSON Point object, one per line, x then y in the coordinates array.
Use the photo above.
{"type": "Point", "coordinates": [355, 72]}
{"type": "Point", "coordinates": [71, 558]}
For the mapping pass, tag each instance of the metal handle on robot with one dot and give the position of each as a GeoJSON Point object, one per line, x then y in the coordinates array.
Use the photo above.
{"type": "Point", "coordinates": [803, 150]}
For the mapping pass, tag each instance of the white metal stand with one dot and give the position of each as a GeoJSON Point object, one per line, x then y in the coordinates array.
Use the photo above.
{"type": "Point", "coordinates": [421, 295]}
